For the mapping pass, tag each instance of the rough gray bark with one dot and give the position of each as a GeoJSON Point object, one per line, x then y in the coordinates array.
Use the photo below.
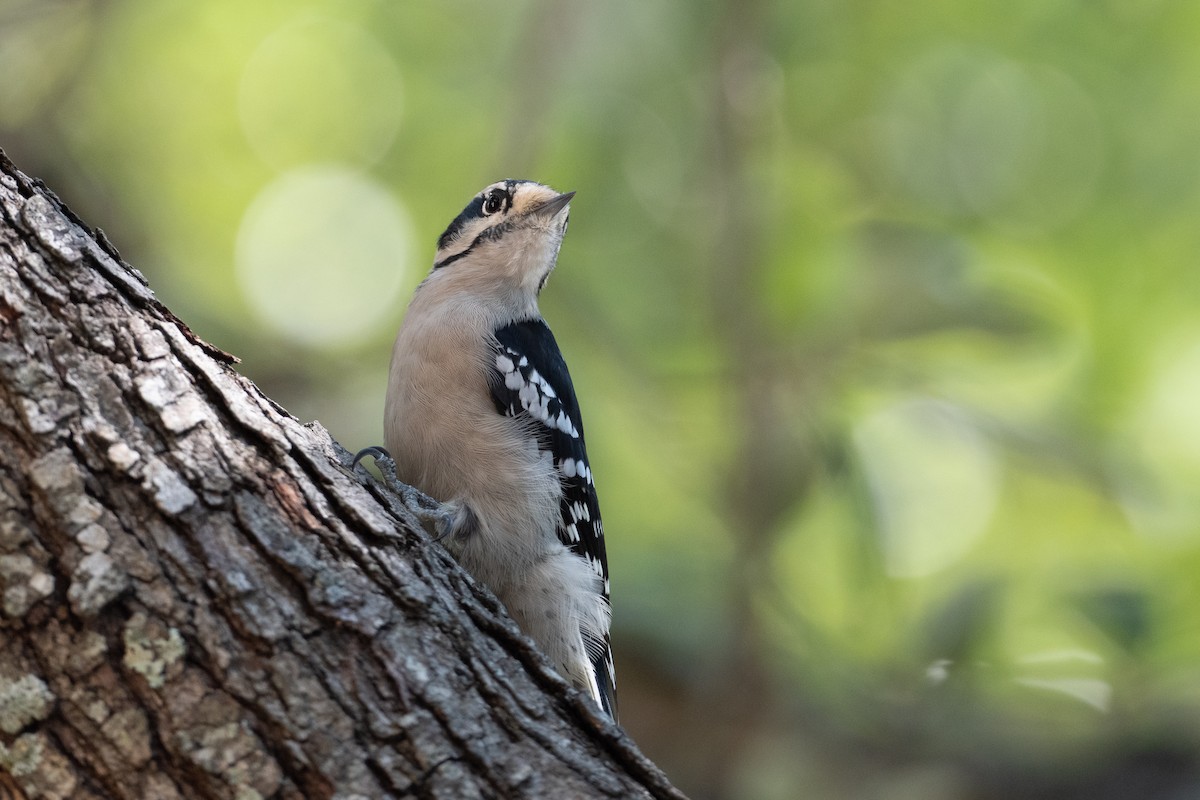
{"type": "Point", "coordinates": [199, 600]}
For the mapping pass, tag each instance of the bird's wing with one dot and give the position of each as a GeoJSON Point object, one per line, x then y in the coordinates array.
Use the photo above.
{"type": "Point", "coordinates": [530, 379]}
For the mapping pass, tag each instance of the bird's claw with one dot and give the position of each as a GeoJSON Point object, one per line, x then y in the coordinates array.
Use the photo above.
{"type": "Point", "coordinates": [380, 454]}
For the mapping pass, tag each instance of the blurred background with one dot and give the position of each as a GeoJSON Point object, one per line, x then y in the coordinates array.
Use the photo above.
{"type": "Point", "coordinates": [884, 316]}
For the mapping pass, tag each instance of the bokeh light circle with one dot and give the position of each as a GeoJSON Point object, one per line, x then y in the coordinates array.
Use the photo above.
{"type": "Point", "coordinates": [1161, 497]}
{"type": "Point", "coordinates": [322, 255]}
{"type": "Point", "coordinates": [972, 133]}
{"type": "Point", "coordinates": [934, 480]}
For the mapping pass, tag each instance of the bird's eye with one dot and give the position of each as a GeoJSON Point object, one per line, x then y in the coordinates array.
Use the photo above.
{"type": "Point", "coordinates": [493, 202]}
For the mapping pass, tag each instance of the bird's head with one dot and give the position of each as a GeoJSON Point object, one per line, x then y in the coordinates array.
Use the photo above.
{"type": "Point", "coordinates": [509, 232]}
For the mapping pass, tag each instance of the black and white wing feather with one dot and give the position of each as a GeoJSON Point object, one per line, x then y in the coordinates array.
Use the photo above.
{"type": "Point", "coordinates": [531, 379]}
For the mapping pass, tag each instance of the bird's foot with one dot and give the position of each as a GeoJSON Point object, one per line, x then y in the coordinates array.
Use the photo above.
{"type": "Point", "coordinates": [438, 519]}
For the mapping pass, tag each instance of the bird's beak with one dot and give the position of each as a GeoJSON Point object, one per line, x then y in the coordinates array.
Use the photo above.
{"type": "Point", "coordinates": [552, 206]}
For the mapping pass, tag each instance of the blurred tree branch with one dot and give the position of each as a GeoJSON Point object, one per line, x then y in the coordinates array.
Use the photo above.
{"type": "Point", "coordinates": [199, 600]}
{"type": "Point", "coordinates": [764, 475]}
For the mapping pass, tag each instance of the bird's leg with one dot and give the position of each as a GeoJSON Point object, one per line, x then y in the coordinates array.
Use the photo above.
{"type": "Point", "coordinates": [438, 519]}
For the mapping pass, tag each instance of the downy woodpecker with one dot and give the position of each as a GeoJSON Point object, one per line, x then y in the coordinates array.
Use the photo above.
{"type": "Point", "coordinates": [481, 415]}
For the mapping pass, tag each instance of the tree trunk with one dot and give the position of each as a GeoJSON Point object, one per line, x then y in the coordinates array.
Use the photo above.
{"type": "Point", "coordinates": [198, 599]}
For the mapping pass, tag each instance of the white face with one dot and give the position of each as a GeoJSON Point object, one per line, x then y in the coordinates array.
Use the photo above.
{"type": "Point", "coordinates": [511, 226]}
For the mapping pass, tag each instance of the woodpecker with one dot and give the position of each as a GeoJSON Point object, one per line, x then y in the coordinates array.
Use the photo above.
{"type": "Point", "coordinates": [481, 415]}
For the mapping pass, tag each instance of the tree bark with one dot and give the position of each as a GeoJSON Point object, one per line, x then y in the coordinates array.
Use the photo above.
{"type": "Point", "coordinates": [198, 599]}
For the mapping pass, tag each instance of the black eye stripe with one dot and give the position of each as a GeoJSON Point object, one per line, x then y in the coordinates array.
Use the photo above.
{"type": "Point", "coordinates": [475, 210]}
{"type": "Point", "coordinates": [494, 232]}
